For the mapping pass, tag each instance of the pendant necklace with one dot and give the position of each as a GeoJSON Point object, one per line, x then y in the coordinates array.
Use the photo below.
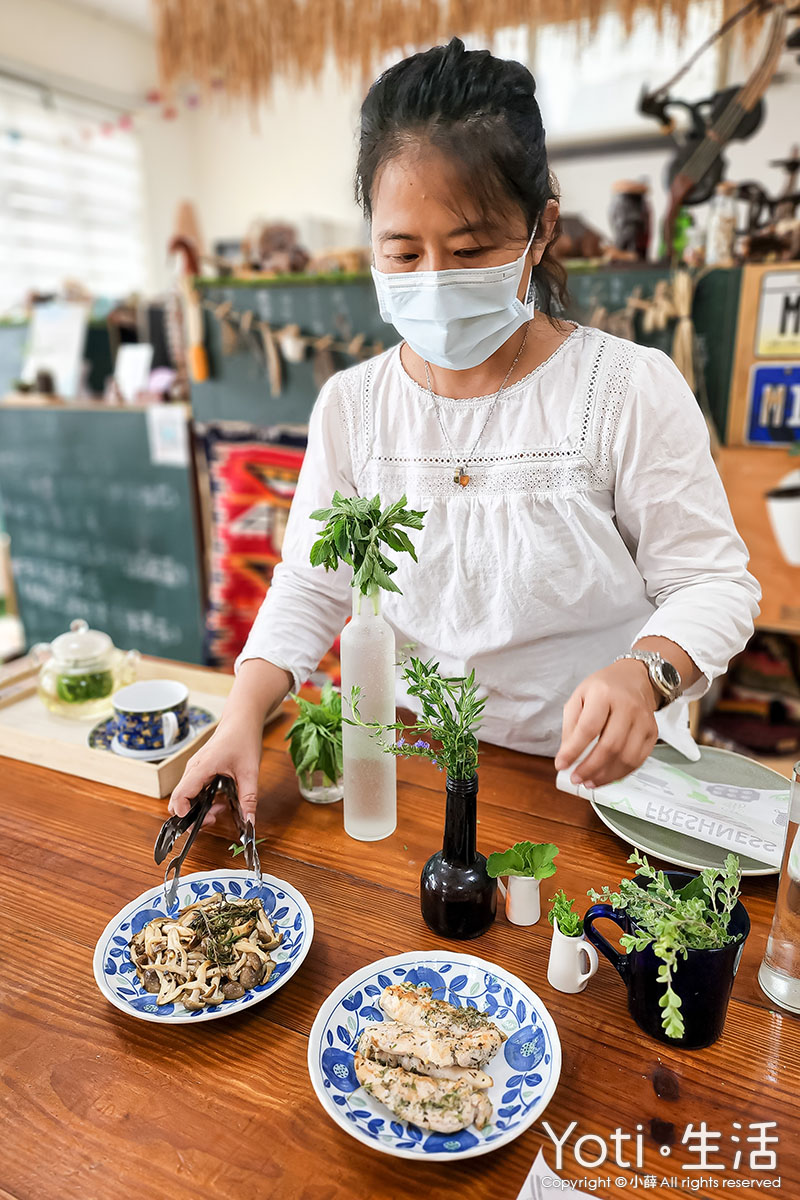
{"type": "Point", "coordinates": [460, 464]}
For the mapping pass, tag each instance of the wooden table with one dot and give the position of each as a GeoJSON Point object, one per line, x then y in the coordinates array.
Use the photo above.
{"type": "Point", "coordinates": [100, 1106]}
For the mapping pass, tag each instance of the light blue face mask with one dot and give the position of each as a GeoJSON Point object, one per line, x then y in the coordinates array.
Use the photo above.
{"type": "Point", "coordinates": [457, 318]}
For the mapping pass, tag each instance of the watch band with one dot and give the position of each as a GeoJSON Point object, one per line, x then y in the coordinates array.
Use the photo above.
{"type": "Point", "coordinates": [663, 675]}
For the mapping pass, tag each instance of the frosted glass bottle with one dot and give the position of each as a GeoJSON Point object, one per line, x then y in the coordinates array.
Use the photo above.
{"type": "Point", "coordinates": [367, 653]}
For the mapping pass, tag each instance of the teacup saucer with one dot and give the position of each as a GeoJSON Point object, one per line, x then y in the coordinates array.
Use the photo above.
{"type": "Point", "coordinates": [103, 737]}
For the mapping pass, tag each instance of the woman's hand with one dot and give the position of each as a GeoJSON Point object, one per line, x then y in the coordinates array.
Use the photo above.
{"type": "Point", "coordinates": [617, 706]}
{"type": "Point", "coordinates": [233, 749]}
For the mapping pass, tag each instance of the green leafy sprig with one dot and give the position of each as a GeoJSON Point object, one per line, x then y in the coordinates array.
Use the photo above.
{"type": "Point", "coordinates": [355, 532]}
{"type": "Point", "coordinates": [532, 860]}
{"type": "Point", "coordinates": [695, 917]}
{"type": "Point", "coordinates": [569, 923]}
{"type": "Point", "coordinates": [241, 849]}
{"type": "Point", "coordinates": [315, 738]}
{"type": "Point", "coordinates": [451, 712]}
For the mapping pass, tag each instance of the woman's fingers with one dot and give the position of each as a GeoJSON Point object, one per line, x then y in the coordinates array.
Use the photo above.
{"type": "Point", "coordinates": [189, 786]}
{"type": "Point", "coordinates": [588, 713]}
{"type": "Point", "coordinates": [247, 787]}
{"type": "Point", "coordinates": [218, 807]}
{"type": "Point", "coordinates": [623, 747]}
{"type": "Point", "coordinates": [598, 767]}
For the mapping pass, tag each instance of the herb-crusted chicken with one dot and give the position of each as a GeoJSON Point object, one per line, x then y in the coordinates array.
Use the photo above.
{"type": "Point", "coordinates": [413, 1005]}
{"type": "Point", "coordinates": [425, 1062]}
{"type": "Point", "coordinates": [436, 1049]}
{"type": "Point", "coordinates": [441, 1105]}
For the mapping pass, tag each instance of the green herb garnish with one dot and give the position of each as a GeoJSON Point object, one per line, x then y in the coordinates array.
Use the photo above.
{"type": "Point", "coordinates": [241, 849]}
{"type": "Point", "coordinates": [315, 738]}
{"type": "Point", "coordinates": [532, 860]}
{"type": "Point", "coordinates": [569, 923]}
{"type": "Point", "coordinates": [354, 531]}
{"type": "Point", "coordinates": [218, 925]}
{"type": "Point", "coordinates": [695, 917]}
{"type": "Point", "coordinates": [451, 712]}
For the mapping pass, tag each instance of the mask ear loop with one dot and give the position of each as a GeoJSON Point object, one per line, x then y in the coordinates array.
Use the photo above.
{"type": "Point", "coordinates": [530, 294]}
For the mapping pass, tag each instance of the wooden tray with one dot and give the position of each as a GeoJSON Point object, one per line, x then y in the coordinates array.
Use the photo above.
{"type": "Point", "coordinates": [28, 731]}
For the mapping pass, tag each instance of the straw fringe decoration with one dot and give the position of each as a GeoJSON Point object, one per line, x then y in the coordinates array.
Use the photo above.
{"type": "Point", "coordinates": [243, 46]}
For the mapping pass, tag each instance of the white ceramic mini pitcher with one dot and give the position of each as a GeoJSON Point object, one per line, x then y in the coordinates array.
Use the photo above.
{"type": "Point", "coordinates": [522, 899]}
{"type": "Point", "coordinates": [567, 969]}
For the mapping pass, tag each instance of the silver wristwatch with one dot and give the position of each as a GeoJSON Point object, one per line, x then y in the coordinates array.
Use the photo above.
{"type": "Point", "coordinates": [663, 676]}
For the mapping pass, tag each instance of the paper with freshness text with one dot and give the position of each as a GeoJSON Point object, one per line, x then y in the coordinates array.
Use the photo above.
{"type": "Point", "coordinates": [746, 820]}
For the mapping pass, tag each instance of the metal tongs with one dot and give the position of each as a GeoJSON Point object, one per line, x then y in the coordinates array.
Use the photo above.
{"type": "Point", "coordinates": [174, 827]}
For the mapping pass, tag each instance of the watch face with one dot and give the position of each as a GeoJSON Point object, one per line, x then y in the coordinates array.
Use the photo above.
{"type": "Point", "coordinates": [670, 676]}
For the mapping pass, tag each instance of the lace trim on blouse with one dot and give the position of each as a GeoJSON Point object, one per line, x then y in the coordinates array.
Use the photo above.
{"type": "Point", "coordinates": [583, 464]}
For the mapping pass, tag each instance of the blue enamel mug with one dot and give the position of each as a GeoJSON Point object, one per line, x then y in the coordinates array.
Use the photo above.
{"type": "Point", "coordinates": [703, 980]}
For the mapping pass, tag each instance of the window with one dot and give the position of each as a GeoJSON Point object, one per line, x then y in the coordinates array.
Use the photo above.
{"type": "Point", "coordinates": [71, 196]}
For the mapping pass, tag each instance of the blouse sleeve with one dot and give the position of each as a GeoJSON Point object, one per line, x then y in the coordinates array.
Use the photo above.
{"type": "Point", "coordinates": [672, 512]}
{"type": "Point", "coordinates": [305, 607]}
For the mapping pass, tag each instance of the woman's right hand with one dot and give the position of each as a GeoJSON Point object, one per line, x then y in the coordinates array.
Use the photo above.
{"type": "Point", "coordinates": [234, 749]}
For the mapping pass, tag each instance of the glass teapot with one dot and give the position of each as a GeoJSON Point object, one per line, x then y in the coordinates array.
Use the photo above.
{"type": "Point", "coordinates": [81, 670]}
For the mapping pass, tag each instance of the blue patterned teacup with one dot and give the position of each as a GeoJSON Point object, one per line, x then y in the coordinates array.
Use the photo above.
{"type": "Point", "coordinates": [152, 714]}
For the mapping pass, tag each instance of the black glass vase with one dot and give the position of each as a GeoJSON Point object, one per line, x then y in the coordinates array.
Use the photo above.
{"type": "Point", "coordinates": [457, 896]}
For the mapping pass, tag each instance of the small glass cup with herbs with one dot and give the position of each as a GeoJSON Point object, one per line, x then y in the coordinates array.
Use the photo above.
{"type": "Point", "coordinates": [315, 746]}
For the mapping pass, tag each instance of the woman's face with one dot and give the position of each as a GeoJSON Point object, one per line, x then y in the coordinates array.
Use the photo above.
{"type": "Point", "coordinates": [424, 219]}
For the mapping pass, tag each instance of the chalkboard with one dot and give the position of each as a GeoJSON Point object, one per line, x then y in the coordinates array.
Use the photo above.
{"type": "Point", "coordinates": [238, 389]}
{"type": "Point", "coordinates": [100, 531]}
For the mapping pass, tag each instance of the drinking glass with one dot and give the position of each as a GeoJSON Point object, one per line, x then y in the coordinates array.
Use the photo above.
{"type": "Point", "coordinates": [779, 973]}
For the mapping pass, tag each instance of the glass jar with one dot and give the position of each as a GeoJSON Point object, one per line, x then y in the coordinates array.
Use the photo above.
{"type": "Point", "coordinates": [779, 973]}
{"type": "Point", "coordinates": [319, 789]}
{"type": "Point", "coordinates": [81, 670]}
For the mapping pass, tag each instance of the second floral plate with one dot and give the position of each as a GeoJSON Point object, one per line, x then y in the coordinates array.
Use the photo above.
{"type": "Point", "coordinates": [525, 1069]}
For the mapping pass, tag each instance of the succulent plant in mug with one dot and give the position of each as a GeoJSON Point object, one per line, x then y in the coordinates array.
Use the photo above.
{"type": "Point", "coordinates": [674, 921]}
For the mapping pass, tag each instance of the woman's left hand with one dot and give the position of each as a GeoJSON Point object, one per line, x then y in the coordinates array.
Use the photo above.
{"type": "Point", "coordinates": [617, 706]}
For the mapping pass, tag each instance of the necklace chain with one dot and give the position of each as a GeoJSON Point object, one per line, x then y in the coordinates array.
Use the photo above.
{"type": "Point", "coordinates": [461, 463]}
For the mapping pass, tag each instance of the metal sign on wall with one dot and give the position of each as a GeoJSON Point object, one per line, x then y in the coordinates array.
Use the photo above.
{"type": "Point", "coordinates": [765, 385]}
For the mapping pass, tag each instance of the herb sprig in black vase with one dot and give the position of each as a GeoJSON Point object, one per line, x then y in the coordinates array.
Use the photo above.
{"type": "Point", "coordinates": [458, 898]}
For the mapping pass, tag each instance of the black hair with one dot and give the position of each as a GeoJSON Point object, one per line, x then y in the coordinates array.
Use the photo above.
{"type": "Point", "coordinates": [482, 112]}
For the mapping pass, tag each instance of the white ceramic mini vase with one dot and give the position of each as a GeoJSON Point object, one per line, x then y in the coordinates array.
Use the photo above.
{"type": "Point", "coordinates": [522, 899]}
{"type": "Point", "coordinates": [573, 961]}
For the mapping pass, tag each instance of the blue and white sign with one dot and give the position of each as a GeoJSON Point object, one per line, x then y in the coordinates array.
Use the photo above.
{"type": "Point", "coordinates": [773, 404]}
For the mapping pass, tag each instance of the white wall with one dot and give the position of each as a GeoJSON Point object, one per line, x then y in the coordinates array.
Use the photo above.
{"type": "Point", "coordinates": [293, 160]}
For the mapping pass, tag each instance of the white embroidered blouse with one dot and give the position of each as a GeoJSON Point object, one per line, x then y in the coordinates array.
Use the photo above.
{"type": "Point", "coordinates": [594, 516]}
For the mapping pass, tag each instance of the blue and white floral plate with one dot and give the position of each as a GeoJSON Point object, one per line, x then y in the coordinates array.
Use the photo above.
{"type": "Point", "coordinates": [117, 978]}
{"type": "Point", "coordinates": [525, 1069]}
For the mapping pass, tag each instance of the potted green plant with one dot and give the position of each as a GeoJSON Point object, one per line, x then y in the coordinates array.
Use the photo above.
{"type": "Point", "coordinates": [683, 937]}
{"type": "Point", "coordinates": [360, 533]}
{"type": "Point", "coordinates": [526, 864]}
{"type": "Point", "coordinates": [457, 895]}
{"type": "Point", "coordinates": [315, 746]}
{"type": "Point", "coordinates": [573, 960]}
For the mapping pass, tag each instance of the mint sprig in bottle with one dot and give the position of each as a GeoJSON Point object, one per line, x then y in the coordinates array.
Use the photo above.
{"type": "Point", "coordinates": [359, 532]}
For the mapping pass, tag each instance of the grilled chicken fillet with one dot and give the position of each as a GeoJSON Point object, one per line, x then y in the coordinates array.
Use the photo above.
{"type": "Point", "coordinates": [442, 1105]}
{"type": "Point", "coordinates": [413, 1005]}
{"type": "Point", "coordinates": [414, 1050]}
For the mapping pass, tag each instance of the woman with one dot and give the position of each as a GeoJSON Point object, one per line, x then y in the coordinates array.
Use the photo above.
{"type": "Point", "coordinates": [574, 514]}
